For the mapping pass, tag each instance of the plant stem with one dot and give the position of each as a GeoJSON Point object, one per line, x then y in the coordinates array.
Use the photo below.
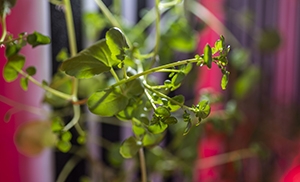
{"type": "Point", "coordinates": [167, 97]}
{"type": "Point", "coordinates": [157, 33]}
{"type": "Point", "coordinates": [73, 52]}
{"type": "Point", "coordinates": [108, 14]}
{"type": "Point", "coordinates": [71, 164]}
{"type": "Point", "coordinates": [155, 69]}
{"type": "Point", "coordinates": [143, 165]}
{"type": "Point", "coordinates": [150, 99]}
{"type": "Point", "coordinates": [114, 74]}
{"type": "Point", "coordinates": [4, 31]}
{"type": "Point", "coordinates": [70, 27]}
{"type": "Point", "coordinates": [45, 87]}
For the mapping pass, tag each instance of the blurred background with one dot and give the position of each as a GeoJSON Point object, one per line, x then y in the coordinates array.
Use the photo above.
{"type": "Point", "coordinates": [253, 131]}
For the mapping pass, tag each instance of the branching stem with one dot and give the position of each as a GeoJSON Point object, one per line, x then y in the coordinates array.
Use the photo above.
{"type": "Point", "coordinates": [155, 69]}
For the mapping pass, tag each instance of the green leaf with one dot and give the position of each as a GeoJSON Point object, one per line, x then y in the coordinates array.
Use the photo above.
{"type": "Point", "coordinates": [187, 128]}
{"type": "Point", "coordinates": [224, 81]}
{"type": "Point", "coordinates": [107, 102]}
{"type": "Point", "coordinates": [204, 109]}
{"type": "Point", "coordinates": [158, 128]}
{"type": "Point", "coordinates": [207, 56]}
{"type": "Point", "coordinates": [81, 140]}
{"type": "Point", "coordinates": [174, 107]}
{"type": "Point", "coordinates": [134, 88]}
{"type": "Point", "coordinates": [56, 124]}
{"type": "Point", "coordinates": [171, 120]}
{"type": "Point", "coordinates": [90, 62]}
{"type": "Point", "coordinates": [130, 147]}
{"type": "Point", "coordinates": [64, 146]}
{"type": "Point", "coordinates": [12, 49]}
{"type": "Point", "coordinates": [177, 80]}
{"type": "Point", "coordinates": [24, 83]}
{"type": "Point", "coordinates": [117, 44]}
{"type": "Point", "coordinates": [62, 83]}
{"type": "Point", "coordinates": [13, 65]}
{"type": "Point", "coordinates": [62, 55]}
{"type": "Point", "coordinates": [151, 140]}
{"type": "Point", "coordinates": [36, 39]}
{"type": "Point", "coordinates": [30, 70]}
{"type": "Point", "coordinates": [138, 130]}
{"type": "Point", "coordinates": [66, 136]}
{"type": "Point", "coordinates": [162, 112]}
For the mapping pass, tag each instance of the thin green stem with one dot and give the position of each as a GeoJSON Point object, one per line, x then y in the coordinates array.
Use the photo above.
{"type": "Point", "coordinates": [111, 18]}
{"type": "Point", "coordinates": [165, 96]}
{"type": "Point", "coordinates": [145, 22]}
{"type": "Point", "coordinates": [155, 69]}
{"type": "Point", "coordinates": [169, 70]}
{"type": "Point", "coordinates": [143, 165]}
{"type": "Point", "coordinates": [12, 40]}
{"type": "Point", "coordinates": [4, 31]}
{"type": "Point", "coordinates": [114, 74]}
{"type": "Point", "coordinates": [150, 99]}
{"type": "Point", "coordinates": [75, 119]}
{"type": "Point", "coordinates": [70, 27]}
{"type": "Point", "coordinates": [158, 87]}
{"type": "Point", "coordinates": [71, 164]}
{"type": "Point", "coordinates": [45, 87]}
{"type": "Point", "coordinates": [157, 33]}
{"type": "Point", "coordinates": [73, 52]}
{"type": "Point", "coordinates": [108, 14]}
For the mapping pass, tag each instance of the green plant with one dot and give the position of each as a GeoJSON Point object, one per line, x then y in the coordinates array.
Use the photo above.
{"type": "Point", "coordinates": [122, 65]}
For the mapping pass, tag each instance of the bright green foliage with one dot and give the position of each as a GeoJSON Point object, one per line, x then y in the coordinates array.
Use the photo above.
{"type": "Point", "coordinates": [107, 102]}
{"type": "Point", "coordinates": [14, 64]}
{"type": "Point", "coordinates": [173, 106]}
{"type": "Point", "coordinates": [62, 55]}
{"type": "Point", "coordinates": [151, 140]}
{"type": "Point", "coordinates": [24, 83]}
{"type": "Point", "coordinates": [98, 58]}
{"type": "Point", "coordinates": [12, 49]}
{"type": "Point", "coordinates": [36, 39]}
{"type": "Point", "coordinates": [202, 110]}
{"type": "Point", "coordinates": [224, 81]}
{"type": "Point", "coordinates": [117, 44]}
{"type": "Point", "coordinates": [64, 146]}
{"type": "Point", "coordinates": [57, 124]}
{"type": "Point", "coordinates": [158, 127]}
{"type": "Point", "coordinates": [89, 62]}
{"type": "Point", "coordinates": [207, 55]}
{"type": "Point", "coordinates": [130, 147]}
{"type": "Point", "coordinates": [66, 136]}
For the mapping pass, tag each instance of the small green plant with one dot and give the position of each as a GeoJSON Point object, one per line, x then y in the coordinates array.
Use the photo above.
{"type": "Point", "coordinates": [123, 72]}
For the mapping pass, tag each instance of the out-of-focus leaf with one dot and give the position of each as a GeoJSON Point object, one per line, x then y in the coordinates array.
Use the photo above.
{"type": "Point", "coordinates": [13, 65]}
{"type": "Point", "coordinates": [130, 147]}
{"type": "Point", "coordinates": [36, 39]}
{"type": "Point", "coordinates": [107, 102]}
